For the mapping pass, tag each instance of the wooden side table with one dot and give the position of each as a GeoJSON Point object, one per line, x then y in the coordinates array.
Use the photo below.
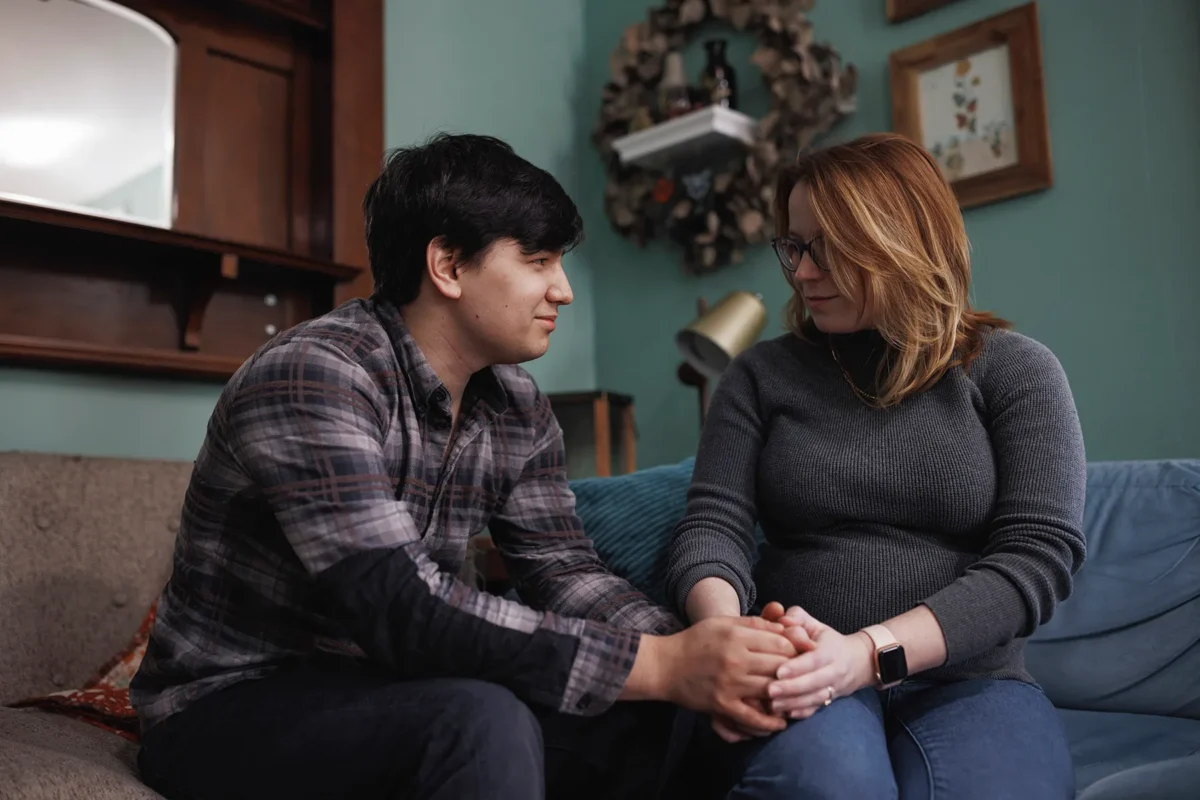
{"type": "Point", "coordinates": [605, 408]}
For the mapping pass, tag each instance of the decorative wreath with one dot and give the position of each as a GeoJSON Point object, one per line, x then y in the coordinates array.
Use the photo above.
{"type": "Point", "coordinates": [714, 211]}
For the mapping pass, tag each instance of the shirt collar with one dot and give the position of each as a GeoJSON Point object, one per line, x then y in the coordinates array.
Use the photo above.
{"type": "Point", "coordinates": [425, 386]}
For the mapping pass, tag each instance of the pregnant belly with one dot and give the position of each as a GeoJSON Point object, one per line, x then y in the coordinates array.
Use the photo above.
{"type": "Point", "coordinates": [850, 579]}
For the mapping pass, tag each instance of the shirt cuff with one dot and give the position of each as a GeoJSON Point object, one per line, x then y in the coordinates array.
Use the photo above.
{"type": "Point", "coordinates": [602, 665]}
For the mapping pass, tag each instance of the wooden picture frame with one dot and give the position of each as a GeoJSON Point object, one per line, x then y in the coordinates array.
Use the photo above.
{"type": "Point", "coordinates": [900, 10]}
{"type": "Point", "coordinates": [974, 97]}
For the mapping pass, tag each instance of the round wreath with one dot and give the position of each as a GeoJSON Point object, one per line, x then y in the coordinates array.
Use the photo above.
{"type": "Point", "coordinates": [722, 207]}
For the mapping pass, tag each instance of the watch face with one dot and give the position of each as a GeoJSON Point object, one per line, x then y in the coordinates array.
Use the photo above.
{"type": "Point", "coordinates": [893, 666]}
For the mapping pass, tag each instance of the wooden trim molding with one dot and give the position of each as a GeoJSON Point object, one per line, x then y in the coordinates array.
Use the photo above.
{"type": "Point", "coordinates": [53, 352]}
{"type": "Point", "coordinates": [900, 10]}
{"type": "Point", "coordinates": [357, 130]}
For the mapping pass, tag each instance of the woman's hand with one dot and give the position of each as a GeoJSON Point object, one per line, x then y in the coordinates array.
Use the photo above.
{"type": "Point", "coordinates": [835, 666]}
{"type": "Point", "coordinates": [731, 731]}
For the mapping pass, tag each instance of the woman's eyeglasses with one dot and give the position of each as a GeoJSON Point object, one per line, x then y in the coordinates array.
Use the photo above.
{"type": "Point", "coordinates": [791, 251]}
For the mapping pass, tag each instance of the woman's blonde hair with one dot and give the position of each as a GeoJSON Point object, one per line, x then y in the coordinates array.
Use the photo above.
{"type": "Point", "coordinates": [895, 243]}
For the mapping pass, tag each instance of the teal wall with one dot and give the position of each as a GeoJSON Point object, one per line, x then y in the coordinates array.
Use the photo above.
{"type": "Point", "coordinates": [65, 412]}
{"type": "Point", "coordinates": [1102, 268]}
{"type": "Point", "coordinates": [508, 69]}
{"type": "Point", "coordinates": [463, 65]}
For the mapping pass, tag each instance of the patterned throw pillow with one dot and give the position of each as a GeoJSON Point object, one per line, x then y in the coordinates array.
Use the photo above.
{"type": "Point", "coordinates": [104, 699]}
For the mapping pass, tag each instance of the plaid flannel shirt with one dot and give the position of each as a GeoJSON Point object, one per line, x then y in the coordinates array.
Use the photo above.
{"type": "Point", "coordinates": [329, 510]}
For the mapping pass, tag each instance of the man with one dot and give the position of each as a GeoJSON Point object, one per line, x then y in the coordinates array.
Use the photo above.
{"type": "Point", "coordinates": [314, 639]}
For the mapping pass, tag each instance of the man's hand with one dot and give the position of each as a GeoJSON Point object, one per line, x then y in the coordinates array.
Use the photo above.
{"type": "Point", "coordinates": [722, 666]}
{"type": "Point", "coordinates": [733, 733]}
{"type": "Point", "coordinates": [728, 729]}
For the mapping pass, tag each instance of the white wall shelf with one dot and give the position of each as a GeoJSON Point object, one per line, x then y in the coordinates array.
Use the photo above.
{"type": "Point", "coordinates": [714, 129]}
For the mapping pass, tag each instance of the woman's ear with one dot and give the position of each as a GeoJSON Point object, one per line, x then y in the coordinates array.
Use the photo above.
{"type": "Point", "coordinates": [443, 267]}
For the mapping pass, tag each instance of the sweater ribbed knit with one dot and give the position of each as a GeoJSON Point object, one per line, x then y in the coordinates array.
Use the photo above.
{"type": "Point", "coordinates": [966, 497]}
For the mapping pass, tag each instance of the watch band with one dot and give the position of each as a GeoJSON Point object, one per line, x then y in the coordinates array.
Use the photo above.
{"type": "Point", "coordinates": [886, 644]}
{"type": "Point", "coordinates": [880, 636]}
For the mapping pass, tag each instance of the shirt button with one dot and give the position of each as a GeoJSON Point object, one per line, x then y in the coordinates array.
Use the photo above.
{"type": "Point", "coordinates": [584, 702]}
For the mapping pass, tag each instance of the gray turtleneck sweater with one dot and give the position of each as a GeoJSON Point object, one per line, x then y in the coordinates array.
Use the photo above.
{"type": "Point", "coordinates": [967, 497]}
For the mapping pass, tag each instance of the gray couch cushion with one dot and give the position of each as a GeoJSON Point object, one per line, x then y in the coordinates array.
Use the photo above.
{"type": "Point", "coordinates": [48, 757]}
{"type": "Point", "coordinates": [87, 548]}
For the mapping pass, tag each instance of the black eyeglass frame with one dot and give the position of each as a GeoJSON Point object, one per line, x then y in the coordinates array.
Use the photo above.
{"type": "Point", "coordinates": [777, 244]}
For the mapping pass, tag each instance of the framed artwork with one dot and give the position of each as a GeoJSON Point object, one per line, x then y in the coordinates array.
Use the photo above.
{"type": "Point", "coordinates": [900, 10]}
{"type": "Point", "coordinates": [974, 98]}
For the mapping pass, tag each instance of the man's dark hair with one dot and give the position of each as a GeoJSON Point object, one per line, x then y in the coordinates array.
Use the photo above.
{"type": "Point", "coordinates": [470, 190]}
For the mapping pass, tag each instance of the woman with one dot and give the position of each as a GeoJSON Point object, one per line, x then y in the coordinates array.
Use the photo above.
{"type": "Point", "coordinates": [918, 471]}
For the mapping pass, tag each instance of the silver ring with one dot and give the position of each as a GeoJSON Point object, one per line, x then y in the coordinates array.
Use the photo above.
{"type": "Point", "coordinates": [832, 695]}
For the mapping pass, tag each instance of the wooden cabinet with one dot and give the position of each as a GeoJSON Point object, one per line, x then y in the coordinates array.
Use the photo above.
{"type": "Point", "coordinates": [278, 133]}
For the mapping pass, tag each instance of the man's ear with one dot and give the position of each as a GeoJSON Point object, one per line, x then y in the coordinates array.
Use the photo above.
{"type": "Point", "coordinates": [442, 266]}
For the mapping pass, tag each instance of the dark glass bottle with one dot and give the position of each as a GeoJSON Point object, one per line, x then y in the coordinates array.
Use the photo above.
{"type": "Point", "coordinates": [718, 79]}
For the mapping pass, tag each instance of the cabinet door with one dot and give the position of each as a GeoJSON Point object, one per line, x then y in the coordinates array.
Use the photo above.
{"type": "Point", "coordinates": [244, 132]}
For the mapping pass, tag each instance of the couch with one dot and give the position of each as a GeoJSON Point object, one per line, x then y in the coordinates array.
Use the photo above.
{"type": "Point", "coordinates": [85, 546]}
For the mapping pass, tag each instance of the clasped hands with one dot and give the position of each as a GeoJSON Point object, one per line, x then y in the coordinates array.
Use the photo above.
{"type": "Point", "coordinates": [800, 666]}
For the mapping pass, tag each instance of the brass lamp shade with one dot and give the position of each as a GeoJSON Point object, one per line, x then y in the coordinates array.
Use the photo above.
{"type": "Point", "coordinates": [720, 333]}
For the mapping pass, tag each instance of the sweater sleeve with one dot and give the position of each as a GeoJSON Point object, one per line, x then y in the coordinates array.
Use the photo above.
{"type": "Point", "coordinates": [715, 538]}
{"type": "Point", "coordinates": [1035, 544]}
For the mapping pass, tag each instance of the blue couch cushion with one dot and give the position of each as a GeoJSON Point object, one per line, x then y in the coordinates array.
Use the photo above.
{"type": "Point", "coordinates": [1175, 779]}
{"type": "Point", "coordinates": [1104, 744]}
{"type": "Point", "coordinates": [631, 518]}
{"type": "Point", "coordinates": [1128, 639]}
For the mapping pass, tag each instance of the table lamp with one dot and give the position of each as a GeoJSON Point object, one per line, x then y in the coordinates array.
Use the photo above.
{"type": "Point", "coordinates": [715, 337]}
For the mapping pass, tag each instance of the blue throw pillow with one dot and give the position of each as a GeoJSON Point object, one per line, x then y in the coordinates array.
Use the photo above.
{"type": "Point", "coordinates": [630, 519]}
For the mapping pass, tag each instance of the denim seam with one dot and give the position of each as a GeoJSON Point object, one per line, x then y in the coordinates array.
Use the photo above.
{"type": "Point", "coordinates": [921, 750]}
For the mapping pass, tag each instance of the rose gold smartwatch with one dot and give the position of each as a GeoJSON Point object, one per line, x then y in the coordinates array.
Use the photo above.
{"type": "Point", "coordinates": [891, 664]}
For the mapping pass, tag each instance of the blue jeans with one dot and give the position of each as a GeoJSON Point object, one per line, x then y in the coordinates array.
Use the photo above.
{"type": "Point", "coordinates": [978, 739]}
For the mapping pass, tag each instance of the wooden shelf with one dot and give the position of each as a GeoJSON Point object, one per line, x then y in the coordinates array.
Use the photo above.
{"type": "Point", "coordinates": [711, 131]}
{"type": "Point", "coordinates": [82, 354]}
{"type": "Point", "coordinates": [133, 235]}
{"type": "Point", "coordinates": [99, 293]}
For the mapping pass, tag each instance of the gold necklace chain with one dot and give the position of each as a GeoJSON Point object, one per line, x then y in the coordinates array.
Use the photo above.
{"type": "Point", "coordinates": [867, 398]}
